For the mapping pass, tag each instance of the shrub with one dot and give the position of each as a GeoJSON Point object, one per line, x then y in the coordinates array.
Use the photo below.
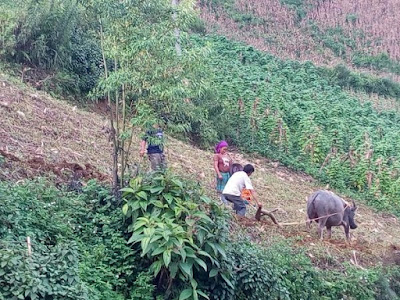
{"type": "Point", "coordinates": [54, 38]}
{"type": "Point", "coordinates": [276, 272]}
{"type": "Point", "coordinates": [79, 250]}
{"type": "Point", "coordinates": [171, 227]}
{"type": "Point", "coordinates": [377, 62]}
{"type": "Point", "coordinates": [50, 273]}
{"type": "Point", "coordinates": [281, 272]}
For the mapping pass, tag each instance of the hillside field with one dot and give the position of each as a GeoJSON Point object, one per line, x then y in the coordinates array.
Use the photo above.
{"type": "Point", "coordinates": [32, 132]}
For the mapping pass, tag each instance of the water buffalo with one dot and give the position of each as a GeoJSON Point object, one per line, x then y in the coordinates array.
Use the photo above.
{"type": "Point", "coordinates": [330, 210]}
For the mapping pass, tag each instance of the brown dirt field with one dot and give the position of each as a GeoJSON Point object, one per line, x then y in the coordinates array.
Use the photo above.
{"type": "Point", "coordinates": [41, 135]}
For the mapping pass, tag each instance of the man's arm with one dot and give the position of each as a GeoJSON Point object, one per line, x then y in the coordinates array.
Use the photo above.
{"type": "Point", "coordinates": [255, 196]}
{"type": "Point", "coordinates": [142, 147]}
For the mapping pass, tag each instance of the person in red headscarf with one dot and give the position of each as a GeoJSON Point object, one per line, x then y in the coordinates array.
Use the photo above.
{"type": "Point", "coordinates": [222, 166]}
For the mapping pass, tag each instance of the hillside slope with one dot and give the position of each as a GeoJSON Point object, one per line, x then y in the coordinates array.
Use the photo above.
{"type": "Point", "coordinates": [42, 135]}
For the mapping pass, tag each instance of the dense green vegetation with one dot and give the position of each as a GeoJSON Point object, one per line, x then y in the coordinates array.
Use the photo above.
{"type": "Point", "coordinates": [171, 222]}
{"type": "Point", "coordinates": [336, 39]}
{"type": "Point", "coordinates": [55, 44]}
{"type": "Point", "coordinates": [174, 245]}
{"type": "Point", "coordinates": [78, 245]}
{"type": "Point", "coordinates": [376, 62]}
{"type": "Point", "coordinates": [357, 81]}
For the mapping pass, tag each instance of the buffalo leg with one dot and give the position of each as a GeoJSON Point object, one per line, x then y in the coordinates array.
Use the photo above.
{"type": "Point", "coordinates": [329, 231]}
{"type": "Point", "coordinates": [308, 223]}
{"type": "Point", "coordinates": [346, 228]}
{"type": "Point", "coordinates": [321, 225]}
{"type": "Point", "coordinates": [347, 232]}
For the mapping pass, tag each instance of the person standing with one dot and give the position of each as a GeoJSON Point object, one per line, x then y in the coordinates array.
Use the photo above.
{"type": "Point", "coordinates": [222, 166]}
{"type": "Point", "coordinates": [153, 139]}
{"type": "Point", "coordinates": [234, 187]}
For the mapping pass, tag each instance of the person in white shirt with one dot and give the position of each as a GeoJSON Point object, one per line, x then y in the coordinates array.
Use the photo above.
{"type": "Point", "coordinates": [233, 189]}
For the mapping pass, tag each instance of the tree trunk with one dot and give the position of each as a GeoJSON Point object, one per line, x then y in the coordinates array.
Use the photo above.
{"type": "Point", "coordinates": [113, 135]}
{"type": "Point", "coordinates": [176, 31]}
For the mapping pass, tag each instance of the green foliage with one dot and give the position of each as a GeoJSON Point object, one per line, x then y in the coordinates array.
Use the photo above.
{"type": "Point", "coordinates": [8, 19]}
{"type": "Point", "coordinates": [143, 289]}
{"type": "Point", "coordinates": [79, 250]}
{"type": "Point", "coordinates": [241, 17]}
{"type": "Point", "coordinates": [51, 272]}
{"type": "Point", "coordinates": [336, 39]}
{"type": "Point", "coordinates": [149, 68]}
{"type": "Point", "coordinates": [345, 78]}
{"type": "Point", "coordinates": [281, 272]}
{"type": "Point", "coordinates": [380, 62]}
{"type": "Point", "coordinates": [171, 226]}
{"type": "Point", "coordinates": [54, 39]}
{"type": "Point", "coordinates": [275, 272]}
{"type": "Point", "coordinates": [43, 32]}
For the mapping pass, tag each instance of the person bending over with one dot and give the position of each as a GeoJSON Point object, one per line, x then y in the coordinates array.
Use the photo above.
{"type": "Point", "coordinates": [233, 189]}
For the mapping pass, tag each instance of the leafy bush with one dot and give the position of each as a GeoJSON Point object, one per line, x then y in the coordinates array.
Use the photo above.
{"type": "Point", "coordinates": [276, 272]}
{"type": "Point", "coordinates": [342, 76]}
{"type": "Point", "coordinates": [170, 220]}
{"type": "Point", "coordinates": [54, 38]}
{"type": "Point", "coordinates": [281, 272]}
{"type": "Point", "coordinates": [143, 288]}
{"type": "Point", "coordinates": [78, 245]}
{"type": "Point", "coordinates": [376, 62]}
{"type": "Point", "coordinates": [336, 39]}
{"type": "Point", "coordinates": [50, 273]}
{"type": "Point", "coordinates": [8, 20]}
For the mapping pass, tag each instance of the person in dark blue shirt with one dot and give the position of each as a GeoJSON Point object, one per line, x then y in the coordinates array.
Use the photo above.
{"type": "Point", "coordinates": [153, 139]}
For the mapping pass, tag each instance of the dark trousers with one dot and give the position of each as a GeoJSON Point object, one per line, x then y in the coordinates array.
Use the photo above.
{"type": "Point", "coordinates": [239, 205]}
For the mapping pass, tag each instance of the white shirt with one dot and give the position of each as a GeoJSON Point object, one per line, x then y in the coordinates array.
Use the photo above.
{"type": "Point", "coordinates": [237, 183]}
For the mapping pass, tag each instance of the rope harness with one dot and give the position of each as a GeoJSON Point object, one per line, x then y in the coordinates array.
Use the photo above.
{"type": "Point", "coordinates": [314, 219]}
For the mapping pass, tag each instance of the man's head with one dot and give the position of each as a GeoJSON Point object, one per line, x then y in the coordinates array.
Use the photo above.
{"type": "Point", "coordinates": [248, 169]}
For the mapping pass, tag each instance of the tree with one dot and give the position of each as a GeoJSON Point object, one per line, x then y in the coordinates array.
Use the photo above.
{"type": "Point", "coordinates": [145, 78]}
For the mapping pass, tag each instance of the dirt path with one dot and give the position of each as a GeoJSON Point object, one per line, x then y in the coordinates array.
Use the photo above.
{"type": "Point", "coordinates": [39, 134]}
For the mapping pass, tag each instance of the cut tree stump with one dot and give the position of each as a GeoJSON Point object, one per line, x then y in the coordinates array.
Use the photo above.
{"type": "Point", "coordinates": [260, 212]}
